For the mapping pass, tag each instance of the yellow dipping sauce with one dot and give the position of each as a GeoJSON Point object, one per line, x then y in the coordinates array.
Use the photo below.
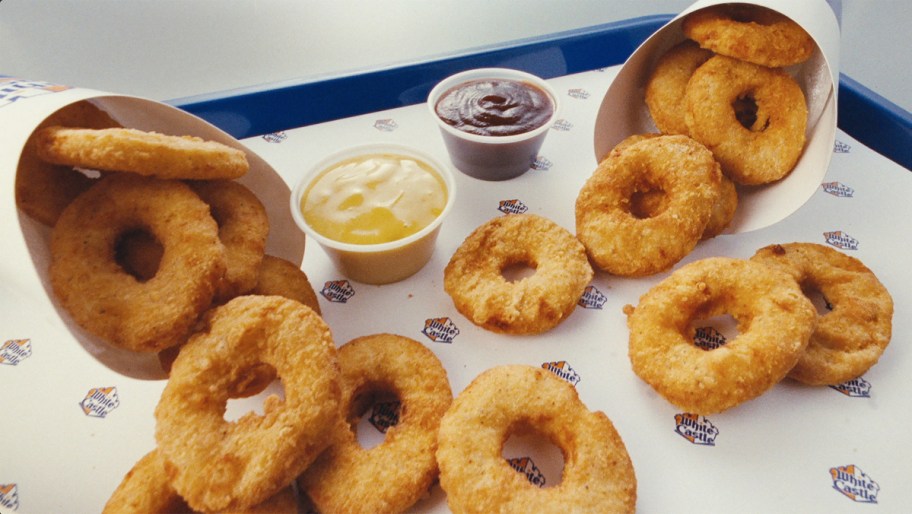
{"type": "Point", "coordinates": [373, 199]}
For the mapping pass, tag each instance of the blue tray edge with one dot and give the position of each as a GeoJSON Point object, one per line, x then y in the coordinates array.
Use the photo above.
{"type": "Point", "coordinates": [863, 114]}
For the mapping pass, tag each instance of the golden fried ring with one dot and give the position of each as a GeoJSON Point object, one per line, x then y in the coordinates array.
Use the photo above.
{"type": "Point", "coordinates": [343, 479]}
{"type": "Point", "coordinates": [105, 299]}
{"type": "Point", "coordinates": [598, 475]}
{"type": "Point", "coordinates": [145, 489]}
{"type": "Point", "coordinates": [852, 336]}
{"type": "Point", "coordinates": [749, 33]}
{"type": "Point", "coordinates": [667, 83]}
{"type": "Point", "coordinates": [774, 318]}
{"type": "Point", "coordinates": [243, 229]}
{"type": "Point", "coordinates": [534, 304]}
{"type": "Point", "coordinates": [44, 189]}
{"type": "Point", "coordinates": [215, 464]}
{"type": "Point", "coordinates": [137, 151]}
{"type": "Point", "coordinates": [770, 147]}
{"type": "Point", "coordinates": [619, 242]}
{"type": "Point", "coordinates": [279, 277]}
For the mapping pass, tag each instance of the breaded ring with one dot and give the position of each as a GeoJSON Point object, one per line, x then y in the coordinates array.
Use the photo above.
{"type": "Point", "coordinates": [598, 475]}
{"type": "Point", "coordinates": [775, 321]}
{"type": "Point", "coordinates": [137, 151]}
{"type": "Point", "coordinates": [619, 242]}
{"type": "Point", "coordinates": [852, 336]}
{"type": "Point", "coordinates": [215, 464]}
{"type": "Point", "coordinates": [343, 479]}
{"type": "Point", "coordinates": [105, 299]}
{"type": "Point", "coordinates": [768, 149]}
{"type": "Point", "coordinates": [243, 229]}
{"type": "Point", "coordinates": [534, 304]}
{"type": "Point", "coordinates": [44, 189]}
{"type": "Point", "coordinates": [646, 204]}
{"type": "Point", "coordinates": [145, 489]}
{"type": "Point", "coordinates": [667, 83]}
{"type": "Point", "coordinates": [749, 33]}
{"type": "Point", "coordinates": [278, 277]}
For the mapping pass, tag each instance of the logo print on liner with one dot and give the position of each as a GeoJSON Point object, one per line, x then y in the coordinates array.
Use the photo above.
{"type": "Point", "coordinates": [527, 467]}
{"type": "Point", "coordinates": [696, 429]}
{"type": "Point", "coordinates": [840, 147]}
{"type": "Point", "coordinates": [855, 388]}
{"type": "Point", "coordinates": [708, 338]}
{"type": "Point", "coordinates": [275, 137]}
{"type": "Point", "coordinates": [386, 125]}
{"type": "Point", "coordinates": [440, 330]}
{"type": "Point", "coordinates": [12, 90]}
{"type": "Point", "coordinates": [513, 206]}
{"type": "Point", "coordinates": [542, 163]}
{"type": "Point", "coordinates": [100, 401]}
{"type": "Point", "coordinates": [385, 415]}
{"type": "Point", "coordinates": [562, 125]}
{"type": "Point", "coordinates": [838, 189]}
{"type": "Point", "coordinates": [592, 298]}
{"type": "Point", "coordinates": [578, 93]}
{"type": "Point", "coordinates": [9, 496]}
{"type": "Point", "coordinates": [338, 291]}
{"type": "Point", "coordinates": [14, 351]}
{"type": "Point", "coordinates": [854, 483]}
{"type": "Point", "coordinates": [563, 370]}
{"type": "Point", "coordinates": [840, 239]}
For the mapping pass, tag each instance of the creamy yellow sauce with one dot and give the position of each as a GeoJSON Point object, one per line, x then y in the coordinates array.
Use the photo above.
{"type": "Point", "coordinates": [374, 199]}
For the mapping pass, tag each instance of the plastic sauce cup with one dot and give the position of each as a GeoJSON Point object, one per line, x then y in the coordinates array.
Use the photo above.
{"type": "Point", "coordinates": [491, 157]}
{"type": "Point", "coordinates": [378, 263]}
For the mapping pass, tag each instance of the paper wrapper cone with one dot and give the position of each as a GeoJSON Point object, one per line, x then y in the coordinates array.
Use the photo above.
{"type": "Point", "coordinates": [24, 105]}
{"type": "Point", "coordinates": [623, 111]}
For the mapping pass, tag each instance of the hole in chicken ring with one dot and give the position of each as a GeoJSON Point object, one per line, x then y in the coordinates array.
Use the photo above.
{"type": "Point", "coordinates": [598, 475]}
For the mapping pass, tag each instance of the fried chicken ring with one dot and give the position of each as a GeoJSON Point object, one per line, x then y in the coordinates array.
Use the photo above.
{"type": "Point", "coordinates": [767, 149]}
{"type": "Point", "coordinates": [619, 242]}
{"type": "Point", "coordinates": [145, 489]}
{"type": "Point", "coordinates": [475, 281]}
{"type": "Point", "coordinates": [775, 321]}
{"type": "Point", "coordinates": [243, 229]}
{"type": "Point", "coordinates": [105, 299]}
{"type": "Point", "coordinates": [215, 464]}
{"type": "Point", "coordinates": [668, 82]}
{"type": "Point", "coordinates": [851, 337]}
{"type": "Point", "coordinates": [749, 33]}
{"type": "Point", "coordinates": [343, 478]}
{"type": "Point", "coordinates": [137, 151]}
{"type": "Point", "coordinates": [598, 475]}
{"type": "Point", "coordinates": [43, 189]}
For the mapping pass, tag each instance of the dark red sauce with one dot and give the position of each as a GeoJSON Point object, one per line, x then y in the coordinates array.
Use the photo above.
{"type": "Point", "coordinates": [495, 107]}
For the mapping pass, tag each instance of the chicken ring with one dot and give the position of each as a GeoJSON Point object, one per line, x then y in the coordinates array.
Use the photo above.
{"type": "Point", "coordinates": [215, 464]}
{"type": "Point", "coordinates": [668, 82]}
{"type": "Point", "coordinates": [43, 189]}
{"type": "Point", "coordinates": [278, 277]}
{"type": "Point", "coordinates": [774, 319]}
{"type": "Point", "coordinates": [243, 229]}
{"type": "Point", "coordinates": [137, 151]}
{"type": "Point", "coordinates": [852, 336]}
{"type": "Point", "coordinates": [343, 477]}
{"type": "Point", "coordinates": [619, 242]}
{"type": "Point", "coordinates": [103, 297]}
{"type": "Point", "coordinates": [758, 151]}
{"type": "Point", "coordinates": [145, 489]}
{"type": "Point", "coordinates": [474, 277]}
{"type": "Point", "coordinates": [749, 33]}
{"type": "Point", "coordinates": [598, 475]}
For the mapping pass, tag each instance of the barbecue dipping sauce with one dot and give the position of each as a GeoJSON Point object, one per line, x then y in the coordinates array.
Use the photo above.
{"type": "Point", "coordinates": [372, 199]}
{"type": "Point", "coordinates": [495, 107]}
